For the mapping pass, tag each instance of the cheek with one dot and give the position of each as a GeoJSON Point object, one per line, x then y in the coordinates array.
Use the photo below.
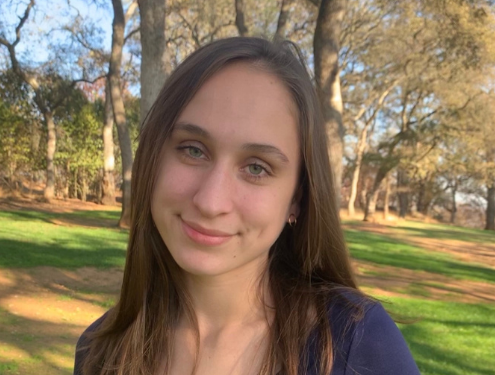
{"type": "Point", "coordinates": [266, 209]}
{"type": "Point", "coordinates": [174, 184]}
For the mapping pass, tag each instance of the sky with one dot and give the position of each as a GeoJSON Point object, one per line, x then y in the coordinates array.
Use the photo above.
{"type": "Point", "coordinates": [46, 20]}
{"type": "Point", "coordinates": [42, 35]}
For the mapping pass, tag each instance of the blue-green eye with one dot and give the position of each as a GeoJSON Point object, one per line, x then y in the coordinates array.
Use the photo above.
{"type": "Point", "coordinates": [255, 169]}
{"type": "Point", "coordinates": [194, 152]}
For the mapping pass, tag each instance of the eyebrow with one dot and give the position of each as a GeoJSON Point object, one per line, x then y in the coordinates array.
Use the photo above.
{"type": "Point", "coordinates": [253, 147]}
{"type": "Point", "coordinates": [191, 128]}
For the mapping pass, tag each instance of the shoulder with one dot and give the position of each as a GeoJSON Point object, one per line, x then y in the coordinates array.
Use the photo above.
{"type": "Point", "coordinates": [82, 346]}
{"type": "Point", "coordinates": [367, 341]}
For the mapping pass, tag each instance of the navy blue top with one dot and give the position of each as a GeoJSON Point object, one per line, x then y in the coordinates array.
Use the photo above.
{"type": "Point", "coordinates": [372, 346]}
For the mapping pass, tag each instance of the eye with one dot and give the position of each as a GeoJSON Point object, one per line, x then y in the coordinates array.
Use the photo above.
{"type": "Point", "coordinates": [257, 172]}
{"type": "Point", "coordinates": [191, 152]}
{"type": "Point", "coordinates": [194, 152]}
{"type": "Point", "coordinates": [255, 169]}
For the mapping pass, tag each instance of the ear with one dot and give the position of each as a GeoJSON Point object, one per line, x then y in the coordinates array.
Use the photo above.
{"type": "Point", "coordinates": [295, 205]}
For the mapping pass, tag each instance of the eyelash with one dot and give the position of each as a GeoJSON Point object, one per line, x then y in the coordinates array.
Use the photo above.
{"type": "Point", "coordinates": [253, 177]}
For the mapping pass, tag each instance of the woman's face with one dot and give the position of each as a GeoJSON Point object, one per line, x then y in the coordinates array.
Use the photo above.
{"type": "Point", "coordinates": [227, 180]}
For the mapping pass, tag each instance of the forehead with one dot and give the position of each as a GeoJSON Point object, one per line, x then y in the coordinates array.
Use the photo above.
{"type": "Point", "coordinates": [245, 101]}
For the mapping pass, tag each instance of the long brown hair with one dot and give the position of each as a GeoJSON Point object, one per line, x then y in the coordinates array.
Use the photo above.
{"type": "Point", "coordinates": [307, 264]}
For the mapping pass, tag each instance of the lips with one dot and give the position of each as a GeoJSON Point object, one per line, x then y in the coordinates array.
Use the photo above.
{"type": "Point", "coordinates": [204, 236]}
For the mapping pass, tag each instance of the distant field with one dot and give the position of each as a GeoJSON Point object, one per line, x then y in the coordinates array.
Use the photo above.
{"type": "Point", "coordinates": [60, 271]}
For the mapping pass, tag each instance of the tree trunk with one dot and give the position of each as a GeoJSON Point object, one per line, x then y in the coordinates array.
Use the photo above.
{"type": "Point", "coordinates": [283, 17]}
{"type": "Point", "coordinates": [239, 18]}
{"type": "Point", "coordinates": [386, 201]}
{"type": "Point", "coordinates": [370, 210]}
{"type": "Point", "coordinates": [84, 186]}
{"type": "Point", "coordinates": [119, 110]}
{"type": "Point", "coordinates": [67, 180]}
{"type": "Point", "coordinates": [108, 185]}
{"type": "Point", "coordinates": [155, 61]}
{"type": "Point", "coordinates": [50, 154]}
{"type": "Point", "coordinates": [76, 184]}
{"type": "Point", "coordinates": [490, 208]}
{"type": "Point", "coordinates": [361, 146]}
{"type": "Point", "coordinates": [326, 61]}
{"type": "Point", "coordinates": [403, 193]}
{"type": "Point", "coordinates": [421, 197]}
{"type": "Point", "coordinates": [372, 195]}
{"type": "Point", "coordinates": [453, 212]}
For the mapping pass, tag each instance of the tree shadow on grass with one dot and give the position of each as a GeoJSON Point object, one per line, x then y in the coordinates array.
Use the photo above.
{"type": "Point", "coordinates": [453, 233]}
{"type": "Point", "coordinates": [36, 347]}
{"type": "Point", "coordinates": [81, 251]}
{"type": "Point", "coordinates": [442, 359]}
{"type": "Point", "coordinates": [384, 251]}
{"type": "Point", "coordinates": [96, 219]}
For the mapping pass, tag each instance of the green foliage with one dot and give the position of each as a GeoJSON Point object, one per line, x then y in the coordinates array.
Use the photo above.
{"type": "Point", "coordinates": [19, 134]}
{"type": "Point", "coordinates": [80, 144]}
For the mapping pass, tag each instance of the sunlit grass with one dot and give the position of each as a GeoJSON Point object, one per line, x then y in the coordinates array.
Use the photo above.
{"type": "Point", "coordinates": [29, 238]}
{"type": "Point", "coordinates": [449, 338]}
{"type": "Point", "coordinates": [386, 251]}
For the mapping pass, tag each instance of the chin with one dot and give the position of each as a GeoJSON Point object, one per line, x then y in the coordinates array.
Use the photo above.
{"type": "Point", "coordinates": [199, 262]}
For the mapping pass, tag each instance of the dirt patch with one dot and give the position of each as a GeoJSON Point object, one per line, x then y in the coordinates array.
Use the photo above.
{"type": "Point", "coordinates": [54, 206]}
{"type": "Point", "coordinates": [387, 280]}
{"type": "Point", "coordinates": [465, 251]}
{"type": "Point", "coordinates": [44, 310]}
{"type": "Point", "coordinates": [62, 207]}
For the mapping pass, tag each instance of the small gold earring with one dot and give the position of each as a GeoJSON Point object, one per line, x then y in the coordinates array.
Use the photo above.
{"type": "Point", "coordinates": [292, 220]}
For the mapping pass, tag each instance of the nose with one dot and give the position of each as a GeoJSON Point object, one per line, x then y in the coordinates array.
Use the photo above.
{"type": "Point", "coordinates": [214, 196]}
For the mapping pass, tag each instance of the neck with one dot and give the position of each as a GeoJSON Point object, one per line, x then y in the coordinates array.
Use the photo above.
{"type": "Point", "coordinates": [228, 300]}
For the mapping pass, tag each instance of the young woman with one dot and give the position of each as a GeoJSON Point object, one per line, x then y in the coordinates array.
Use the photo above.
{"type": "Point", "coordinates": [236, 261]}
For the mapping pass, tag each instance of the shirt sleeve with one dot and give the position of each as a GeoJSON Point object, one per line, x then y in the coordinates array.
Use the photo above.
{"type": "Point", "coordinates": [378, 347]}
{"type": "Point", "coordinates": [82, 345]}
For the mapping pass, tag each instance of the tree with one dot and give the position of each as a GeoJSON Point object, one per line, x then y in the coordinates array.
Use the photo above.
{"type": "Point", "coordinates": [50, 92]}
{"type": "Point", "coordinates": [45, 106]}
{"type": "Point", "coordinates": [19, 135]}
{"type": "Point", "coordinates": [239, 18]}
{"type": "Point", "coordinates": [155, 59]}
{"type": "Point", "coordinates": [118, 28]}
{"type": "Point", "coordinates": [108, 183]}
{"type": "Point", "coordinates": [326, 62]}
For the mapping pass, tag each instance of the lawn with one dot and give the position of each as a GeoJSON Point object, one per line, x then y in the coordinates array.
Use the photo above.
{"type": "Point", "coordinates": [386, 251]}
{"type": "Point", "coordinates": [30, 239]}
{"type": "Point", "coordinates": [58, 272]}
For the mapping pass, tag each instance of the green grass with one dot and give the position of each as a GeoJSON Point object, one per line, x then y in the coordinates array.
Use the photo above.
{"type": "Point", "coordinates": [448, 232]}
{"type": "Point", "coordinates": [386, 251]}
{"type": "Point", "coordinates": [29, 239]}
{"type": "Point", "coordinates": [450, 338]}
{"type": "Point", "coordinates": [9, 368]}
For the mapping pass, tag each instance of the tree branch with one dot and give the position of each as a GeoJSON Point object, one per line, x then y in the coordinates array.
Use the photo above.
{"type": "Point", "coordinates": [131, 33]}
{"type": "Point", "coordinates": [88, 80]}
{"type": "Point", "coordinates": [130, 11]}
{"type": "Point", "coordinates": [23, 20]}
{"type": "Point", "coordinates": [239, 18]}
{"type": "Point", "coordinates": [315, 2]}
